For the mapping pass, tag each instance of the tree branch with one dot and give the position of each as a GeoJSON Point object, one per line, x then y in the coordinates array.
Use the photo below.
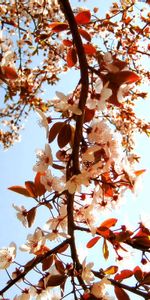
{"type": "Point", "coordinates": [67, 10]}
{"type": "Point", "coordinates": [84, 81]}
{"type": "Point", "coordinates": [123, 286]}
{"type": "Point", "coordinates": [31, 265]}
{"type": "Point", "coordinates": [125, 242]}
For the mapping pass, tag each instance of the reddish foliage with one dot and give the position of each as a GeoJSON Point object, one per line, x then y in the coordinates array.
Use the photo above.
{"type": "Point", "coordinates": [40, 189]}
{"type": "Point", "coordinates": [85, 35]}
{"type": "Point", "coordinates": [58, 26]}
{"type": "Point", "coordinates": [83, 17]}
{"type": "Point", "coordinates": [89, 49]}
{"type": "Point", "coordinates": [71, 57]}
{"type": "Point", "coordinates": [20, 190]}
{"type": "Point", "coordinates": [121, 294]}
{"type": "Point", "coordinates": [93, 242]}
{"type": "Point", "coordinates": [123, 275]}
{"type": "Point", "coordinates": [7, 72]}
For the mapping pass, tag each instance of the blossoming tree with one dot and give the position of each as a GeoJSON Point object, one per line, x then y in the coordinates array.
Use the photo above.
{"type": "Point", "coordinates": [88, 162]}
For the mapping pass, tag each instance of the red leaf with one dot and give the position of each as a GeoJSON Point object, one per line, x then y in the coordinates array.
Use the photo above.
{"type": "Point", "coordinates": [123, 275]}
{"type": "Point", "coordinates": [63, 249]}
{"type": "Point", "coordinates": [123, 236]}
{"type": "Point", "coordinates": [141, 242]}
{"type": "Point", "coordinates": [85, 35]}
{"type": "Point", "coordinates": [139, 172]}
{"type": "Point", "coordinates": [83, 17]}
{"type": "Point", "coordinates": [54, 131]}
{"type": "Point", "coordinates": [124, 77]}
{"type": "Point", "coordinates": [47, 262]}
{"type": "Point", "coordinates": [58, 26]}
{"type": "Point", "coordinates": [114, 97]}
{"type": "Point", "coordinates": [20, 190]}
{"type": "Point", "coordinates": [111, 270]}
{"type": "Point", "coordinates": [119, 63]}
{"type": "Point", "coordinates": [59, 266]}
{"type": "Point", "coordinates": [64, 136]}
{"type": "Point", "coordinates": [93, 242]}
{"type": "Point", "coordinates": [109, 223]}
{"type": "Point", "coordinates": [89, 49]}
{"type": "Point", "coordinates": [30, 186]}
{"type": "Point", "coordinates": [105, 249]}
{"type": "Point", "coordinates": [121, 294]}
{"type": "Point", "coordinates": [146, 279]}
{"type": "Point", "coordinates": [56, 280]}
{"type": "Point", "coordinates": [138, 274]}
{"type": "Point", "coordinates": [31, 216]}
{"type": "Point", "coordinates": [71, 57]}
{"type": "Point", "coordinates": [106, 177]}
{"type": "Point", "coordinates": [105, 232]}
{"type": "Point", "coordinates": [8, 72]}
{"type": "Point", "coordinates": [40, 188]}
{"type": "Point", "coordinates": [108, 190]}
{"type": "Point", "coordinates": [67, 43]}
{"type": "Point", "coordinates": [89, 114]}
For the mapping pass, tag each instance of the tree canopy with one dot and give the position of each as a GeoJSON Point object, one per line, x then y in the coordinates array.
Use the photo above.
{"type": "Point", "coordinates": [89, 161]}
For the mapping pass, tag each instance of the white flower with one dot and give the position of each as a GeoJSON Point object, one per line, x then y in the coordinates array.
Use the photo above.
{"type": "Point", "coordinates": [44, 159]}
{"type": "Point", "coordinates": [75, 182]}
{"type": "Point", "coordinates": [7, 255]}
{"type": "Point", "coordinates": [40, 294]}
{"type": "Point", "coordinates": [8, 58]}
{"type": "Point", "coordinates": [100, 132]}
{"type": "Point", "coordinates": [104, 94]}
{"type": "Point", "coordinates": [55, 235]}
{"type": "Point", "coordinates": [43, 122]}
{"type": "Point", "coordinates": [63, 104]}
{"type": "Point", "coordinates": [21, 214]}
{"type": "Point", "coordinates": [89, 214]}
{"type": "Point", "coordinates": [88, 155]}
{"type": "Point", "coordinates": [87, 275]}
{"type": "Point", "coordinates": [122, 92]}
{"type": "Point", "coordinates": [109, 65]}
{"type": "Point", "coordinates": [34, 242]}
{"type": "Point", "coordinates": [60, 222]}
{"type": "Point", "coordinates": [99, 290]}
{"type": "Point", "coordinates": [126, 3]}
{"type": "Point", "coordinates": [51, 183]}
{"type": "Point", "coordinates": [24, 296]}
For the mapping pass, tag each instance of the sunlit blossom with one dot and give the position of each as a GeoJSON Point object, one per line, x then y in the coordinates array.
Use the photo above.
{"type": "Point", "coordinates": [62, 104]}
{"type": "Point", "coordinates": [99, 289]}
{"type": "Point", "coordinates": [60, 222]}
{"type": "Point", "coordinates": [35, 242]}
{"type": "Point", "coordinates": [21, 214]}
{"type": "Point", "coordinates": [53, 235]}
{"type": "Point", "coordinates": [7, 255]}
{"type": "Point", "coordinates": [43, 120]}
{"type": "Point", "coordinates": [44, 159]}
{"type": "Point", "coordinates": [74, 183]}
{"type": "Point", "coordinates": [122, 92]}
{"type": "Point", "coordinates": [51, 182]}
{"type": "Point", "coordinates": [87, 275]}
{"type": "Point", "coordinates": [24, 296]}
{"type": "Point", "coordinates": [40, 294]}
{"type": "Point", "coordinates": [100, 131]}
{"type": "Point", "coordinates": [104, 94]}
